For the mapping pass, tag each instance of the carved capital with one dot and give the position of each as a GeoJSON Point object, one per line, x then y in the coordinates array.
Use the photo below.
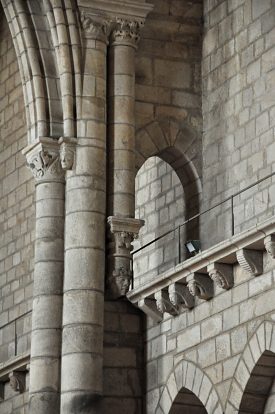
{"type": "Point", "coordinates": [44, 161]}
{"type": "Point", "coordinates": [180, 295]}
{"type": "Point", "coordinates": [251, 261]}
{"type": "Point", "coordinates": [269, 243]}
{"type": "Point", "coordinates": [126, 32]}
{"type": "Point", "coordinates": [163, 303]}
{"type": "Point", "coordinates": [149, 307]}
{"type": "Point", "coordinates": [221, 274]}
{"type": "Point", "coordinates": [125, 230]}
{"type": "Point", "coordinates": [200, 285]}
{"type": "Point", "coordinates": [95, 27]}
{"type": "Point", "coordinates": [67, 152]}
{"type": "Point", "coordinates": [18, 381]}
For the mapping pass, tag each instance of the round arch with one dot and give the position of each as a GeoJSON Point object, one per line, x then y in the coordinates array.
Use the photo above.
{"type": "Point", "coordinates": [179, 144]}
{"type": "Point", "coordinates": [188, 375]}
{"type": "Point", "coordinates": [262, 341]}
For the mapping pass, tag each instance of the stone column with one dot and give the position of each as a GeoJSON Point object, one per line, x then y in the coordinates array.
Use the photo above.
{"type": "Point", "coordinates": [121, 154]}
{"type": "Point", "coordinates": [44, 389]}
{"type": "Point", "coordinates": [83, 306]}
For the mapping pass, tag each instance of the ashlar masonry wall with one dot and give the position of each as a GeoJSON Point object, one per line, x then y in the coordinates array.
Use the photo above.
{"type": "Point", "coordinates": [212, 349]}
{"type": "Point", "coordinates": [160, 203]}
{"type": "Point", "coordinates": [238, 77]}
{"type": "Point", "coordinates": [16, 218]}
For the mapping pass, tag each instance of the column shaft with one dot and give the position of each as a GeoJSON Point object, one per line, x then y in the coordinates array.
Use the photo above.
{"type": "Point", "coordinates": [44, 388]}
{"type": "Point", "coordinates": [121, 133]}
{"type": "Point", "coordinates": [82, 341]}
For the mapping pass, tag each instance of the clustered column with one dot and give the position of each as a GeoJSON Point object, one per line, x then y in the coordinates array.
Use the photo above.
{"type": "Point", "coordinates": [121, 154]}
{"type": "Point", "coordinates": [83, 300]}
{"type": "Point", "coordinates": [44, 389]}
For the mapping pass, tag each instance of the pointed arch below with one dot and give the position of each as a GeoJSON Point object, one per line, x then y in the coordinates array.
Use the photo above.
{"type": "Point", "coordinates": [189, 376]}
{"type": "Point", "coordinates": [261, 344]}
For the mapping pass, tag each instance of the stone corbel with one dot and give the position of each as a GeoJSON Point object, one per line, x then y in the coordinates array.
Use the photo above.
{"type": "Point", "coordinates": [44, 161]}
{"type": "Point", "coordinates": [2, 391]}
{"type": "Point", "coordinates": [67, 152]}
{"type": "Point", "coordinates": [269, 243]}
{"type": "Point", "coordinates": [164, 304]}
{"type": "Point", "coordinates": [180, 295]}
{"type": "Point", "coordinates": [149, 307]}
{"type": "Point", "coordinates": [122, 233]}
{"type": "Point", "coordinates": [251, 261]}
{"type": "Point", "coordinates": [200, 285]}
{"type": "Point", "coordinates": [221, 274]}
{"type": "Point", "coordinates": [18, 381]}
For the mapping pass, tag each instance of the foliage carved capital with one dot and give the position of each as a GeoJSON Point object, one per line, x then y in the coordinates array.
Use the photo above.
{"type": "Point", "coordinates": [44, 161]}
{"type": "Point", "coordinates": [126, 32]}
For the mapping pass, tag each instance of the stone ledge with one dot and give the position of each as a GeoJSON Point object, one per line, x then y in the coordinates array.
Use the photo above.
{"type": "Point", "coordinates": [17, 363]}
{"type": "Point", "coordinates": [199, 272]}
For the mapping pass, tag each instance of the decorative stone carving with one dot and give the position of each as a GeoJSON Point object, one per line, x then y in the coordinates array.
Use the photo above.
{"type": "Point", "coordinates": [126, 31]}
{"type": "Point", "coordinates": [269, 243]}
{"type": "Point", "coordinates": [163, 303]}
{"type": "Point", "coordinates": [221, 274]}
{"type": "Point", "coordinates": [120, 281]}
{"type": "Point", "coordinates": [122, 232]}
{"type": "Point", "coordinates": [43, 160]}
{"type": "Point", "coordinates": [67, 152]}
{"type": "Point", "coordinates": [149, 307]}
{"type": "Point", "coordinates": [200, 285]}
{"type": "Point", "coordinates": [17, 381]}
{"type": "Point", "coordinates": [95, 27]}
{"type": "Point", "coordinates": [251, 261]}
{"type": "Point", "coordinates": [180, 295]}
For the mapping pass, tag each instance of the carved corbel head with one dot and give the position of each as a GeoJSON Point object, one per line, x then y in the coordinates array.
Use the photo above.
{"type": "Point", "coordinates": [120, 282]}
{"type": "Point", "coordinates": [67, 152]}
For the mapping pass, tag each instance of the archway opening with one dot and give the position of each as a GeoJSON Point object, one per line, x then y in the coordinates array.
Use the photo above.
{"type": "Point", "coordinates": [187, 402]}
{"type": "Point", "coordinates": [160, 202]}
{"type": "Point", "coordinates": [258, 397]}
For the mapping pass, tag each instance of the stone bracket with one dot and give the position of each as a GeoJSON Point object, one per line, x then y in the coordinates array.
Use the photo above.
{"type": "Point", "coordinates": [18, 381]}
{"type": "Point", "coordinates": [149, 307]}
{"type": "Point", "coordinates": [180, 295]}
{"type": "Point", "coordinates": [269, 243]}
{"type": "Point", "coordinates": [221, 274]}
{"type": "Point", "coordinates": [251, 261]}
{"type": "Point", "coordinates": [122, 232]}
{"type": "Point", "coordinates": [164, 304]}
{"type": "Point", "coordinates": [200, 285]}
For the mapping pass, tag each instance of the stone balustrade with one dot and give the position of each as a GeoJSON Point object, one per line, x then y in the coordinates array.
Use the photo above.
{"type": "Point", "coordinates": [181, 286]}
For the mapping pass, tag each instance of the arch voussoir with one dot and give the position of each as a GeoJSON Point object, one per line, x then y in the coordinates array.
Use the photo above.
{"type": "Point", "coordinates": [261, 341]}
{"type": "Point", "coordinates": [188, 375]}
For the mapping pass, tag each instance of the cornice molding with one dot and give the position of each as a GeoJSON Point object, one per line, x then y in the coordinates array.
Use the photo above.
{"type": "Point", "coordinates": [116, 8]}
